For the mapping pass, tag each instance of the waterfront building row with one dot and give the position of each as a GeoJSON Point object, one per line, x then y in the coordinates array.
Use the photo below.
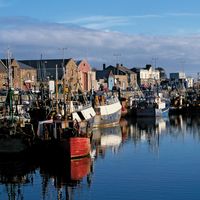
{"type": "Point", "coordinates": [28, 74]}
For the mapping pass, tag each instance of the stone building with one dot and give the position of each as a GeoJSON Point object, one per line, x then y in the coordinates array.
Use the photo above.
{"type": "Point", "coordinates": [24, 76]}
{"type": "Point", "coordinates": [147, 76]}
{"type": "Point", "coordinates": [75, 73]}
{"type": "Point", "coordinates": [124, 78]}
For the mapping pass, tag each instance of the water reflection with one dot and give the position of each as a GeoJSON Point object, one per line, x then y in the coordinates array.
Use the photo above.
{"type": "Point", "coordinates": [104, 139]}
{"type": "Point", "coordinates": [65, 175]}
{"type": "Point", "coordinates": [182, 125]}
{"type": "Point", "coordinates": [151, 130]}
{"type": "Point", "coordinates": [15, 173]}
{"type": "Point", "coordinates": [60, 178]}
{"type": "Point", "coordinates": [146, 130]}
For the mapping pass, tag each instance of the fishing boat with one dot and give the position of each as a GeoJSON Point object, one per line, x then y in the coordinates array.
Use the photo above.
{"type": "Point", "coordinates": [16, 133]}
{"type": "Point", "coordinates": [76, 146]}
{"type": "Point", "coordinates": [108, 110]}
{"type": "Point", "coordinates": [64, 136]}
{"type": "Point", "coordinates": [71, 104]}
{"type": "Point", "coordinates": [153, 106]}
{"type": "Point", "coordinates": [69, 122]}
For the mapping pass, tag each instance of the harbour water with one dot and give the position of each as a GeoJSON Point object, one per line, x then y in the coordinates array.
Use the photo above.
{"type": "Point", "coordinates": [140, 159]}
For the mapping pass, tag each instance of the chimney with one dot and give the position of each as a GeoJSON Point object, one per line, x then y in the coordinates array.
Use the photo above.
{"type": "Point", "coordinates": [104, 66]}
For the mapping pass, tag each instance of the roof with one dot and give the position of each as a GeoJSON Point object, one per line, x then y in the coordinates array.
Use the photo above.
{"type": "Point", "coordinates": [125, 70]}
{"type": "Point", "coordinates": [48, 66]}
{"type": "Point", "coordinates": [5, 61]}
{"type": "Point", "coordinates": [2, 67]}
{"type": "Point", "coordinates": [24, 66]}
{"type": "Point", "coordinates": [102, 74]}
{"type": "Point", "coordinates": [78, 62]}
{"type": "Point", "coordinates": [118, 70]}
{"type": "Point", "coordinates": [148, 66]}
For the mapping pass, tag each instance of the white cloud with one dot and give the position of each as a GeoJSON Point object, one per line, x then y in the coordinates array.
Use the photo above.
{"type": "Point", "coordinates": [183, 14]}
{"type": "Point", "coordinates": [107, 22]}
{"type": "Point", "coordinates": [29, 41]}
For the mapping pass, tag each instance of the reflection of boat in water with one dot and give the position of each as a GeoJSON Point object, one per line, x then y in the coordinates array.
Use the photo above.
{"type": "Point", "coordinates": [15, 174]}
{"type": "Point", "coordinates": [79, 168]}
{"type": "Point", "coordinates": [124, 128]}
{"type": "Point", "coordinates": [67, 174]}
{"type": "Point", "coordinates": [107, 137]}
{"type": "Point", "coordinates": [16, 169]}
{"type": "Point", "coordinates": [111, 140]}
{"type": "Point", "coordinates": [152, 124]}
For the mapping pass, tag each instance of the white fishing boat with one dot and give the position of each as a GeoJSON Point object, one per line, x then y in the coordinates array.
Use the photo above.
{"type": "Point", "coordinates": [108, 110]}
{"type": "Point", "coordinates": [153, 106]}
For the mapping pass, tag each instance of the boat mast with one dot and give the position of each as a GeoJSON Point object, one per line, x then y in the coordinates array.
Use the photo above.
{"type": "Point", "coordinates": [10, 78]}
{"type": "Point", "coordinates": [56, 89]}
{"type": "Point", "coordinates": [10, 86]}
{"type": "Point", "coordinates": [64, 89]}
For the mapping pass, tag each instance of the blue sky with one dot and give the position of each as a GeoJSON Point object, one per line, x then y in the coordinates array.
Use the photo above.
{"type": "Point", "coordinates": [138, 31]}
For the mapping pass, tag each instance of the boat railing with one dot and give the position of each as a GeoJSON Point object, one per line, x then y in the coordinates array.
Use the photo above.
{"type": "Point", "coordinates": [78, 106]}
{"type": "Point", "coordinates": [112, 100]}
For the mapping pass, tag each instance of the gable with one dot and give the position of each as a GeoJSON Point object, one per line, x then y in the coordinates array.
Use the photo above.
{"type": "Point", "coordinates": [83, 66]}
{"type": "Point", "coordinates": [3, 68]}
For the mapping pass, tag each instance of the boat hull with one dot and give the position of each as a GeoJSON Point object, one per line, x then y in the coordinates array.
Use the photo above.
{"type": "Point", "coordinates": [107, 115]}
{"type": "Point", "coordinates": [9, 145]}
{"type": "Point", "coordinates": [75, 147]}
{"type": "Point", "coordinates": [107, 120]}
{"type": "Point", "coordinates": [151, 112]}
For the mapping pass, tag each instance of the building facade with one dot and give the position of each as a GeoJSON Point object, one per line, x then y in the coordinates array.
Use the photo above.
{"type": "Point", "coordinates": [3, 75]}
{"type": "Point", "coordinates": [147, 76]}
{"type": "Point", "coordinates": [84, 70]}
{"type": "Point", "coordinates": [24, 76]}
{"type": "Point", "coordinates": [124, 78]}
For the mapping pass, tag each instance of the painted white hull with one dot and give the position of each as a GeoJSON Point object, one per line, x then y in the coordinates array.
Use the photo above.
{"type": "Point", "coordinates": [107, 115]}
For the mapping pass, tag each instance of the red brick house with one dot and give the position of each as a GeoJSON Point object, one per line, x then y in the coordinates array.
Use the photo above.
{"type": "Point", "coordinates": [84, 70]}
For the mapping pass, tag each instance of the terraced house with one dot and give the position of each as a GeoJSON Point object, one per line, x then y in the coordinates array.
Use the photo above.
{"type": "Point", "coordinates": [147, 76]}
{"type": "Point", "coordinates": [118, 75]}
{"type": "Point", "coordinates": [23, 76]}
{"type": "Point", "coordinates": [72, 71]}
